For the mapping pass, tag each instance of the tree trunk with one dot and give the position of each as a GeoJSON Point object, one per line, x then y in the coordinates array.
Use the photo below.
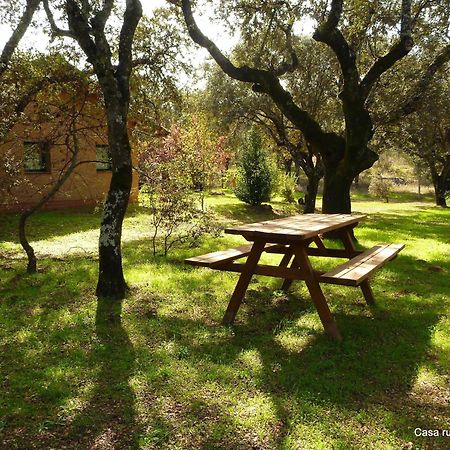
{"type": "Point", "coordinates": [336, 192]}
{"type": "Point", "coordinates": [439, 181]}
{"type": "Point", "coordinates": [287, 166]}
{"type": "Point", "coordinates": [311, 194]}
{"type": "Point", "coordinates": [32, 262]}
{"type": "Point", "coordinates": [111, 281]}
{"type": "Point", "coordinates": [439, 191]}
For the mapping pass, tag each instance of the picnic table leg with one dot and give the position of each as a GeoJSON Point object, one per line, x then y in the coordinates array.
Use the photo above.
{"type": "Point", "coordinates": [350, 247]}
{"type": "Point", "coordinates": [243, 282]}
{"type": "Point", "coordinates": [284, 263]}
{"type": "Point", "coordinates": [316, 294]}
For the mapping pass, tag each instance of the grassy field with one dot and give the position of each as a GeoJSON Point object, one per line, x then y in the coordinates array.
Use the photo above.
{"type": "Point", "coordinates": [171, 377]}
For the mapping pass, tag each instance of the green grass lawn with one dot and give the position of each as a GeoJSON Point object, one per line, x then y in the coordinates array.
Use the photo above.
{"type": "Point", "coordinates": [170, 376]}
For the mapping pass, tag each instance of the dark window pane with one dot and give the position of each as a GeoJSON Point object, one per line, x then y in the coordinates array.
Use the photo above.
{"type": "Point", "coordinates": [103, 158]}
{"type": "Point", "coordinates": [36, 157]}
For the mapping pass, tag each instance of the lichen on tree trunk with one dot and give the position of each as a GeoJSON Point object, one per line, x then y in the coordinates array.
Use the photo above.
{"type": "Point", "coordinates": [111, 281]}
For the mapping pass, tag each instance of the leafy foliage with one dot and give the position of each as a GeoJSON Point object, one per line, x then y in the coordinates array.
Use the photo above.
{"type": "Point", "coordinates": [167, 173]}
{"type": "Point", "coordinates": [288, 183]}
{"type": "Point", "coordinates": [380, 187]}
{"type": "Point", "coordinates": [254, 181]}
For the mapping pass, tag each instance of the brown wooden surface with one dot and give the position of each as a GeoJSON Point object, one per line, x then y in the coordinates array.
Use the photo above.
{"type": "Point", "coordinates": [295, 228]}
{"type": "Point", "coordinates": [291, 237]}
{"type": "Point", "coordinates": [287, 273]}
{"type": "Point", "coordinates": [367, 292]}
{"type": "Point", "coordinates": [221, 256]}
{"type": "Point", "coordinates": [353, 272]}
{"type": "Point", "coordinates": [332, 252]}
{"type": "Point", "coordinates": [349, 246]}
{"type": "Point", "coordinates": [312, 282]}
{"type": "Point", "coordinates": [239, 291]}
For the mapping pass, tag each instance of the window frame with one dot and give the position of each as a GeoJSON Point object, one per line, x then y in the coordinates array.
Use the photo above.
{"type": "Point", "coordinates": [45, 156]}
{"type": "Point", "coordinates": [97, 162]}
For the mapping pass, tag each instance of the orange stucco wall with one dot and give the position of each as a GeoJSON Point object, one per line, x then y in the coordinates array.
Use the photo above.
{"type": "Point", "coordinates": [86, 186]}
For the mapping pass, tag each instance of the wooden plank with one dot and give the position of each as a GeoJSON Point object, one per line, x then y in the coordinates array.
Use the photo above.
{"type": "Point", "coordinates": [266, 270]}
{"type": "Point", "coordinates": [285, 262]}
{"type": "Point", "coordinates": [222, 256]}
{"type": "Point", "coordinates": [295, 228]}
{"type": "Point", "coordinates": [367, 292]}
{"type": "Point", "coordinates": [243, 282]}
{"type": "Point", "coordinates": [353, 272]}
{"type": "Point", "coordinates": [279, 249]}
{"type": "Point", "coordinates": [332, 252]}
{"type": "Point", "coordinates": [349, 246]}
{"type": "Point", "coordinates": [318, 241]}
{"type": "Point", "coordinates": [287, 283]}
{"type": "Point", "coordinates": [312, 282]}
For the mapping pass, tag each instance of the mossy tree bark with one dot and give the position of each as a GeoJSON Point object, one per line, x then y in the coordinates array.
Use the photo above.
{"type": "Point", "coordinates": [302, 155]}
{"type": "Point", "coordinates": [440, 180]}
{"type": "Point", "coordinates": [312, 188]}
{"type": "Point", "coordinates": [87, 25]}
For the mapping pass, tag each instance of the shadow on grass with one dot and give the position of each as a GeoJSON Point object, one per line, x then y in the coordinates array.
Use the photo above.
{"type": "Point", "coordinates": [67, 382]}
{"type": "Point", "coordinates": [58, 223]}
{"type": "Point", "coordinates": [432, 224]}
{"type": "Point", "coordinates": [350, 377]}
{"type": "Point", "coordinates": [109, 418]}
{"type": "Point", "coordinates": [394, 196]}
{"type": "Point", "coordinates": [375, 367]}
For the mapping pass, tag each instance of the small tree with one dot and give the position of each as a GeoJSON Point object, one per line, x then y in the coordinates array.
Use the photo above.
{"type": "Point", "coordinates": [201, 153]}
{"type": "Point", "coordinates": [380, 187]}
{"type": "Point", "coordinates": [254, 182]}
{"type": "Point", "coordinates": [288, 185]}
{"type": "Point", "coordinates": [167, 194]}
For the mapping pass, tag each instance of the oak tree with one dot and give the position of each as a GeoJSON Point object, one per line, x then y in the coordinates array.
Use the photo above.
{"type": "Point", "coordinates": [366, 40]}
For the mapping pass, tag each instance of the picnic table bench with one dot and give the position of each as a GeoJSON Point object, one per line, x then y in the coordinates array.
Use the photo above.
{"type": "Point", "coordinates": [292, 237]}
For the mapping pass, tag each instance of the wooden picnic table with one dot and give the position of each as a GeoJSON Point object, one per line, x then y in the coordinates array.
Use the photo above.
{"type": "Point", "coordinates": [292, 237]}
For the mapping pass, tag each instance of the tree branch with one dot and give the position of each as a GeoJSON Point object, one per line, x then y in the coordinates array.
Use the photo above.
{"type": "Point", "coordinates": [17, 34]}
{"type": "Point", "coordinates": [398, 51]}
{"type": "Point", "coordinates": [80, 30]}
{"type": "Point", "coordinates": [102, 16]}
{"type": "Point", "coordinates": [238, 73]}
{"type": "Point", "coordinates": [132, 16]}
{"type": "Point", "coordinates": [148, 61]}
{"type": "Point", "coordinates": [264, 81]}
{"type": "Point", "coordinates": [286, 67]}
{"type": "Point", "coordinates": [56, 31]}
{"type": "Point", "coordinates": [329, 34]}
{"type": "Point", "coordinates": [413, 102]}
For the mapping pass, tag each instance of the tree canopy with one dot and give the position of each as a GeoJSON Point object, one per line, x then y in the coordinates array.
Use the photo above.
{"type": "Point", "coordinates": [366, 42]}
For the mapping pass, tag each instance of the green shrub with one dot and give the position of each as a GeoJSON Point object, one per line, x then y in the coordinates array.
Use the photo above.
{"type": "Point", "coordinates": [175, 213]}
{"type": "Point", "coordinates": [288, 184]}
{"type": "Point", "coordinates": [254, 182]}
{"type": "Point", "coordinates": [380, 187]}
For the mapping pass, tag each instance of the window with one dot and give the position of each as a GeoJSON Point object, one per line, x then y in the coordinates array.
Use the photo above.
{"type": "Point", "coordinates": [103, 158]}
{"type": "Point", "coordinates": [36, 157]}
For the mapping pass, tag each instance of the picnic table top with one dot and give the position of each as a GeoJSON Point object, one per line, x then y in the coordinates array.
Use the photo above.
{"type": "Point", "coordinates": [295, 228]}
